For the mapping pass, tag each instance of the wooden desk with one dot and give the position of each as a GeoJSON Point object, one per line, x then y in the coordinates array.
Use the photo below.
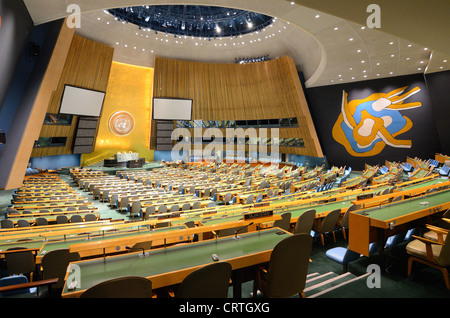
{"type": "Point", "coordinates": [169, 266]}
{"type": "Point", "coordinates": [377, 224]}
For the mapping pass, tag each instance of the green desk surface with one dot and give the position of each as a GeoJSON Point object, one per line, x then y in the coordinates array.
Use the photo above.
{"type": "Point", "coordinates": [60, 242]}
{"type": "Point", "coordinates": [424, 184]}
{"type": "Point", "coordinates": [404, 207]}
{"type": "Point", "coordinates": [171, 259]}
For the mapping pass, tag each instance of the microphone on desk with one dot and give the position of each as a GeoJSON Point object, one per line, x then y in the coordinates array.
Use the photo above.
{"type": "Point", "coordinates": [143, 249]}
{"type": "Point", "coordinates": [239, 229]}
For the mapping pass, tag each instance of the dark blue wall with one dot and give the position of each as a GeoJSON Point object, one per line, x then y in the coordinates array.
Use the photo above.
{"type": "Point", "coordinates": [21, 77]}
{"type": "Point", "coordinates": [325, 106]}
{"type": "Point", "coordinates": [14, 32]}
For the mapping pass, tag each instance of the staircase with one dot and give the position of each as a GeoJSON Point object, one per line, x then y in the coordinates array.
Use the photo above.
{"type": "Point", "coordinates": [318, 285]}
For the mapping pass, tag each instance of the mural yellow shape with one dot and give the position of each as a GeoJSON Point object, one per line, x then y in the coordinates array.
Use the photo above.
{"type": "Point", "coordinates": [366, 126]}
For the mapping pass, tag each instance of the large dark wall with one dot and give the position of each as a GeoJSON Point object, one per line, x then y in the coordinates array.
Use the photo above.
{"type": "Point", "coordinates": [439, 87]}
{"type": "Point", "coordinates": [325, 104]}
{"type": "Point", "coordinates": [15, 29]}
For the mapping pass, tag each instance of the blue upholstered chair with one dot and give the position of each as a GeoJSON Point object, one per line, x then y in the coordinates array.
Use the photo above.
{"type": "Point", "coordinates": [345, 256]}
{"type": "Point", "coordinates": [15, 280]}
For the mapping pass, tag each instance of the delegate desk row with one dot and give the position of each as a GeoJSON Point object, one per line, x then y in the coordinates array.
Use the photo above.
{"type": "Point", "coordinates": [231, 214]}
{"type": "Point", "coordinates": [382, 220]}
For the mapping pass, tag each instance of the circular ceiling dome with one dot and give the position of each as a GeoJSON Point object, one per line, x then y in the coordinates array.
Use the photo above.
{"type": "Point", "coordinates": [193, 20]}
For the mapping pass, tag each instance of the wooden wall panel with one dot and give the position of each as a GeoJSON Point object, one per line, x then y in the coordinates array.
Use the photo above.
{"type": "Point", "coordinates": [265, 90]}
{"type": "Point", "coordinates": [87, 65]}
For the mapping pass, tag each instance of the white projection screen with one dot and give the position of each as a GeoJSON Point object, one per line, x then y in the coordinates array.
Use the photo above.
{"type": "Point", "coordinates": [81, 102]}
{"type": "Point", "coordinates": [172, 109]}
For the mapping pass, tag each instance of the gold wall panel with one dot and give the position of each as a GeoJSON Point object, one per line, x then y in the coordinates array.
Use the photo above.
{"type": "Point", "coordinates": [129, 89]}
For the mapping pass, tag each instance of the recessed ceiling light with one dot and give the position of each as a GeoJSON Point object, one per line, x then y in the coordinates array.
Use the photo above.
{"type": "Point", "coordinates": [378, 74]}
{"type": "Point", "coordinates": [363, 61]}
{"type": "Point", "coordinates": [317, 16]}
{"type": "Point", "coordinates": [409, 45]}
{"type": "Point", "coordinates": [353, 77]}
{"type": "Point", "coordinates": [392, 55]}
{"type": "Point", "coordinates": [425, 49]}
{"type": "Point", "coordinates": [292, 2]}
{"type": "Point", "coordinates": [421, 62]}
{"type": "Point", "coordinates": [445, 61]}
{"type": "Point", "coordinates": [359, 51]}
{"type": "Point", "coordinates": [339, 75]}
{"type": "Point", "coordinates": [363, 28]}
{"type": "Point", "coordinates": [419, 69]}
{"type": "Point", "coordinates": [336, 28]}
{"type": "Point", "coordinates": [378, 63]}
{"type": "Point", "coordinates": [391, 73]}
{"type": "Point", "coordinates": [351, 39]}
{"type": "Point", "coordinates": [351, 68]}
{"type": "Point", "coordinates": [365, 76]}
{"type": "Point", "coordinates": [391, 43]}
{"type": "Point", "coordinates": [441, 67]}
{"type": "Point", "coordinates": [407, 58]}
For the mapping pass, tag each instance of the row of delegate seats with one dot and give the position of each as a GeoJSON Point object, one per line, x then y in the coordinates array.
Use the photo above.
{"type": "Point", "coordinates": [41, 221]}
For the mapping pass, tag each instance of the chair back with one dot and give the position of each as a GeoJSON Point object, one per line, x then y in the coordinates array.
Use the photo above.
{"type": "Point", "coordinates": [329, 221]}
{"type": "Point", "coordinates": [196, 205]}
{"type": "Point", "coordinates": [210, 281]}
{"type": "Point", "coordinates": [136, 207]}
{"type": "Point", "coordinates": [162, 209]}
{"type": "Point", "coordinates": [288, 267]}
{"type": "Point", "coordinates": [41, 221]}
{"type": "Point", "coordinates": [150, 210]}
{"type": "Point", "coordinates": [7, 224]}
{"type": "Point", "coordinates": [20, 262]}
{"type": "Point", "coordinates": [305, 222]}
{"type": "Point", "coordinates": [122, 287]}
{"type": "Point", "coordinates": [62, 219]}
{"type": "Point", "coordinates": [344, 220]}
{"type": "Point", "coordinates": [90, 217]}
{"type": "Point", "coordinates": [54, 265]}
{"type": "Point", "coordinates": [124, 202]}
{"type": "Point", "coordinates": [76, 218]}
{"type": "Point", "coordinates": [444, 256]}
{"type": "Point", "coordinates": [23, 223]}
{"type": "Point", "coordinates": [227, 197]}
{"type": "Point", "coordinates": [284, 222]}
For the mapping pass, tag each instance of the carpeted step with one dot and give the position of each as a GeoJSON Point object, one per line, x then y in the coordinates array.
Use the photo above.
{"type": "Point", "coordinates": [328, 282]}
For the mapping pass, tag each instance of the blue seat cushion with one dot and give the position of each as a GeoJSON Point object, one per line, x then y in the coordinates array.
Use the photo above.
{"type": "Point", "coordinates": [342, 255]}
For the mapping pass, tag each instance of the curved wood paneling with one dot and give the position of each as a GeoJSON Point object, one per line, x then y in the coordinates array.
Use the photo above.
{"type": "Point", "coordinates": [264, 90]}
{"type": "Point", "coordinates": [87, 65]}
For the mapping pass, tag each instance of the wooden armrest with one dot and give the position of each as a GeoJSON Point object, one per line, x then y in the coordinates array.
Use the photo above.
{"type": "Point", "coordinates": [436, 229]}
{"type": "Point", "coordinates": [428, 244]}
{"type": "Point", "coordinates": [21, 250]}
{"type": "Point", "coordinates": [29, 285]}
{"type": "Point", "coordinates": [426, 241]}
